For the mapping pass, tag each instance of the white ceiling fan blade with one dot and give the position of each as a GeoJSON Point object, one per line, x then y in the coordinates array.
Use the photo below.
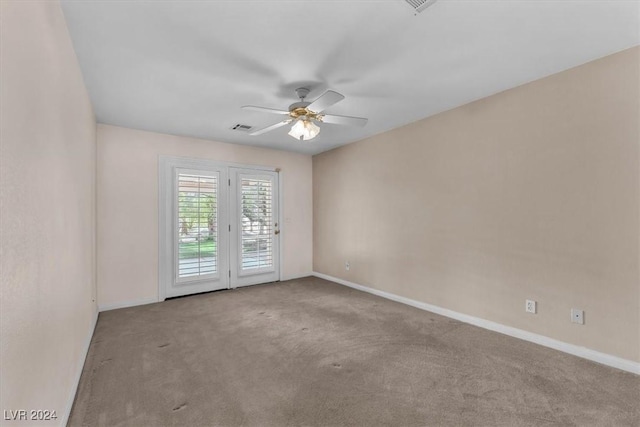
{"type": "Point", "coordinates": [344, 120]}
{"type": "Point", "coordinates": [325, 101]}
{"type": "Point", "coordinates": [264, 109]}
{"type": "Point", "coordinates": [270, 128]}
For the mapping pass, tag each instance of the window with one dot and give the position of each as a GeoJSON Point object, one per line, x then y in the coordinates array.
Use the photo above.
{"type": "Point", "coordinates": [257, 223]}
{"type": "Point", "coordinates": [197, 227]}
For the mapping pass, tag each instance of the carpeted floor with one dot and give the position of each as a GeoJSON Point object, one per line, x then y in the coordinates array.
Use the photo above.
{"type": "Point", "coordinates": [311, 352]}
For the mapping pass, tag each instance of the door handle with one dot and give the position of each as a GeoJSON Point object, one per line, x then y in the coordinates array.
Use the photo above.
{"type": "Point", "coordinates": [276, 232]}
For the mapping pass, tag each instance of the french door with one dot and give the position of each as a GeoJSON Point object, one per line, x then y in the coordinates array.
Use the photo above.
{"type": "Point", "coordinates": [219, 226]}
{"type": "Point", "coordinates": [254, 227]}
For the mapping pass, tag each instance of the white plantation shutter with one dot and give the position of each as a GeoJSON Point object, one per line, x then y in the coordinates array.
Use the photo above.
{"type": "Point", "coordinates": [197, 227]}
{"type": "Point", "coordinates": [257, 223]}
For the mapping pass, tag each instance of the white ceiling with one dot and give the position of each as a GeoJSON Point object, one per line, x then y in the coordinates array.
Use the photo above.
{"type": "Point", "coordinates": [186, 67]}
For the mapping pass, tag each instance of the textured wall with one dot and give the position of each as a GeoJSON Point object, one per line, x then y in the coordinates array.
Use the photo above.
{"type": "Point", "coordinates": [530, 193]}
{"type": "Point", "coordinates": [128, 206]}
{"type": "Point", "coordinates": [47, 200]}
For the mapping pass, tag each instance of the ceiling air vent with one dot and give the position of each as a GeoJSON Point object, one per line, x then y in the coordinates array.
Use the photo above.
{"type": "Point", "coordinates": [241, 128]}
{"type": "Point", "coordinates": [420, 5]}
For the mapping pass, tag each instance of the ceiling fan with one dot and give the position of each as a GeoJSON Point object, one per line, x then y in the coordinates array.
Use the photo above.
{"type": "Point", "coordinates": [304, 115]}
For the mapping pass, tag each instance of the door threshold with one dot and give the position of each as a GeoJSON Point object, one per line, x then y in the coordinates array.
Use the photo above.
{"type": "Point", "coordinates": [199, 293]}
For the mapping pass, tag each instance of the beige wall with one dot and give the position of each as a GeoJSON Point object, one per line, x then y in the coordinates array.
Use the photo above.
{"type": "Point", "coordinates": [530, 193]}
{"type": "Point", "coordinates": [47, 201]}
{"type": "Point", "coordinates": [128, 206]}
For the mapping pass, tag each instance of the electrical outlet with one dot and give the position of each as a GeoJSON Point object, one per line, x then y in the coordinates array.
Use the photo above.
{"type": "Point", "coordinates": [347, 266]}
{"type": "Point", "coordinates": [577, 316]}
{"type": "Point", "coordinates": [530, 306]}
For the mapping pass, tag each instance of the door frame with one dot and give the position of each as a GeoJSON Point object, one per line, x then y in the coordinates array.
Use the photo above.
{"type": "Point", "coordinates": [167, 166]}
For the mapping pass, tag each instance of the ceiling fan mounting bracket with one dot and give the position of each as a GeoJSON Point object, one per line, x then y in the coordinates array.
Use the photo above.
{"type": "Point", "coordinates": [302, 92]}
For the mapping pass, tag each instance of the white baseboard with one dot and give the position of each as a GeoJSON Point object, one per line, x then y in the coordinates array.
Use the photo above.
{"type": "Point", "coordinates": [125, 304]}
{"type": "Point", "coordinates": [585, 353]}
{"type": "Point", "coordinates": [295, 276]}
{"type": "Point", "coordinates": [76, 380]}
{"type": "Point", "coordinates": [144, 301]}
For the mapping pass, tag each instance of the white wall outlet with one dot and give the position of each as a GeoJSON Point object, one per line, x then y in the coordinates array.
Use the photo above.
{"type": "Point", "coordinates": [577, 316]}
{"type": "Point", "coordinates": [347, 266]}
{"type": "Point", "coordinates": [530, 306]}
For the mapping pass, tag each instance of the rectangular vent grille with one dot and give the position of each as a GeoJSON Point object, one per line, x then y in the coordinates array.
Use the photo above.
{"type": "Point", "coordinates": [420, 5]}
{"type": "Point", "coordinates": [241, 128]}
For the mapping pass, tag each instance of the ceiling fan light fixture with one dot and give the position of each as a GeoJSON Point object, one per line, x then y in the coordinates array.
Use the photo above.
{"type": "Point", "coordinates": [304, 129]}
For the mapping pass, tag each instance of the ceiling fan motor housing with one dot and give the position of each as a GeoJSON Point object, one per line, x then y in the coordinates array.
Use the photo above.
{"type": "Point", "coordinates": [297, 105]}
{"type": "Point", "coordinates": [298, 110]}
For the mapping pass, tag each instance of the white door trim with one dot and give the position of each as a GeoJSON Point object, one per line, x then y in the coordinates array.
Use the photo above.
{"type": "Point", "coordinates": [281, 222]}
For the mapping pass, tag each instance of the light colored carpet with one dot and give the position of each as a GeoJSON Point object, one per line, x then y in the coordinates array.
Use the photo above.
{"type": "Point", "coordinates": [311, 352]}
